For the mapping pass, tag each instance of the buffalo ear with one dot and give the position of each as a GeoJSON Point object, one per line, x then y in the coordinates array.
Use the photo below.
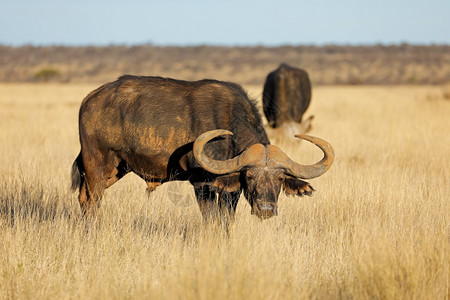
{"type": "Point", "coordinates": [296, 187]}
{"type": "Point", "coordinates": [306, 125]}
{"type": "Point", "coordinates": [227, 183]}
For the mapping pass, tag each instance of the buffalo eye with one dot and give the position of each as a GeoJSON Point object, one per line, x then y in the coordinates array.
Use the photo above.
{"type": "Point", "coordinates": [250, 177]}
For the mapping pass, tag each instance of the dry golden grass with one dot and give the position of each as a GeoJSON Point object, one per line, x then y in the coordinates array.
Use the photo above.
{"type": "Point", "coordinates": [376, 228]}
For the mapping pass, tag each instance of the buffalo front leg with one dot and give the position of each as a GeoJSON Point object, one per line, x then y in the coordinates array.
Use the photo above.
{"type": "Point", "coordinates": [227, 205]}
{"type": "Point", "coordinates": [206, 199]}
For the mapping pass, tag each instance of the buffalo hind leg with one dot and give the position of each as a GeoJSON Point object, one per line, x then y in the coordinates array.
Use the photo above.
{"type": "Point", "coordinates": [117, 173]}
{"type": "Point", "coordinates": [101, 171]}
{"type": "Point", "coordinates": [89, 199]}
{"type": "Point", "coordinates": [151, 186]}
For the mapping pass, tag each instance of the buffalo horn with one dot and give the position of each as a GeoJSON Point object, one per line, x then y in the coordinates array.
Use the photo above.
{"type": "Point", "coordinates": [317, 169]}
{"type": "Point", "coordinates": [235, 164]}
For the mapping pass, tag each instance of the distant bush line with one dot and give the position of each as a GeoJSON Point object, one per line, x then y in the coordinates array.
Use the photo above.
{"type": "Point", "coordinates": [331, 64]}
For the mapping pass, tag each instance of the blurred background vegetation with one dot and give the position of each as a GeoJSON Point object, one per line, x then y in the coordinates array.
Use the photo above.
{"type": "Point", "coordinates": [327, 65]}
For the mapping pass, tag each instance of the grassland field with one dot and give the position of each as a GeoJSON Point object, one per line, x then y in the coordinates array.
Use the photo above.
{"type": "Point", "coordinates": [377, 226]}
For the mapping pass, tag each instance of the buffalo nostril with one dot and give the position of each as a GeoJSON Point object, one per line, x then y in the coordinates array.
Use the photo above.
{"type": "Point", "coordinates": [265, 210]}
{"type": "Point", "coordinates": [265, 207]}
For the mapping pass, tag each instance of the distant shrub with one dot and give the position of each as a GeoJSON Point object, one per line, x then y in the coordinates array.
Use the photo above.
{"type": "Point", "coordinates": [355, 80]}
{"type": "Point", "coordinates": [412, 79]}
{"type": "Point", "coordinates": [46, 74]}
{"type": "Point", "coordinates": [446, 92]}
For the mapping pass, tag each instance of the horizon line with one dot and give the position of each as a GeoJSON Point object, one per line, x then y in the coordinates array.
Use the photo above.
{"type": "Point", "coordinates": [224, 45]}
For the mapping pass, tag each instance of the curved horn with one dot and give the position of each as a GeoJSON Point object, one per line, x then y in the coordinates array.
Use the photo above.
{"type": "Point", "coordinates": [252, 155]}
{"type": "Point", "coordinates": [317, 169]}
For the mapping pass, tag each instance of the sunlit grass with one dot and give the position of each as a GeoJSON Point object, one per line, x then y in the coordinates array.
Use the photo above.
{"type": "Point", "coordinates": [377, 226]}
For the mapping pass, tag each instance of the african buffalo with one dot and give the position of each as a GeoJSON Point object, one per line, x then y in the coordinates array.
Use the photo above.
{"type": "Point", "coordinates": [286, 96]}
{"type": "Point", "coordinates": [208, 132]}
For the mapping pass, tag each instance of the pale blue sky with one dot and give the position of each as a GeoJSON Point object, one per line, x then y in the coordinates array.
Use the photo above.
{"type": "Point", "coordinates": [231, 22]}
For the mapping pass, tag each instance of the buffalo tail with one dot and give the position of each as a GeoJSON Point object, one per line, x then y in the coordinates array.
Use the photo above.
{"type": "Point", "coordinates": [77, 173]}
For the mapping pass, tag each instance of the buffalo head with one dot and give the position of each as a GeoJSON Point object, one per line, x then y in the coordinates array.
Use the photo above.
{"type": "Point", "coordinates": [261, 171]}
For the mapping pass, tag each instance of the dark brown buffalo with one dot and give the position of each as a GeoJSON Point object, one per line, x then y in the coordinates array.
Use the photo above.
{"type": "Point", "coordinates": [207, 132]}
{"type": "Point", "coordinates": [286, 96]}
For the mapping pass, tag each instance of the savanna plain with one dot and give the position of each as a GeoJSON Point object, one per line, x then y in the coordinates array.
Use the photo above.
{"type": "Point", "coordinates": [377, 226]}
